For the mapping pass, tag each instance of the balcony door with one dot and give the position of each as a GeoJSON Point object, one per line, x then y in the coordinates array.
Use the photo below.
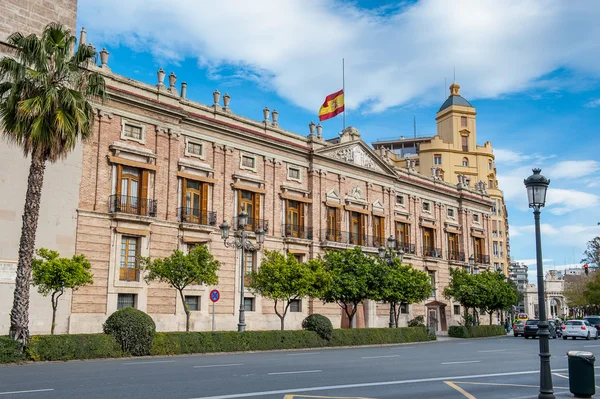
{"type": "Point", "coordinates": [294, 223]}
{"type": "Point", "coordinates": [132, 189]}
{"type": "Point", "coordinates": [249, 201]}
{"type": "Point", "coordinates": [195, 201]}
{"type": "Point", "coordinates": [378, 231]}
{"type": "Point", "coordinates": [478, 249]}
{"type": "Point", "coordinates": [428, 238]}
{"type": "Point", "coordinates": [334, 222]}
{"type": "Point", "coordinates": [357, 228]}
{"type": "Point", "coordinates": [453, 246]}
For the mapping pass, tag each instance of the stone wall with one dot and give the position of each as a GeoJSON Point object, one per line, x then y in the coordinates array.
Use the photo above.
{"type": "Point", "coordinates": [31, 16]}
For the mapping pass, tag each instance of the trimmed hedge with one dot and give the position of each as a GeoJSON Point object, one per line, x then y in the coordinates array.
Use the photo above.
{"type": "Point", "coordinates": [319, 324]}
{"type": "Point", "coordinates": [179, 343]}
{"type": "Point", "coordinates": [134, 330]}
{"type": "Point", "coordinates": [476, 331]}
{"type": "Point", "coordinates": [96, 346]}
{"type": "Point", "coordinates": [10, 351]}
{"type": "Point", "coordinates": [74, 346]}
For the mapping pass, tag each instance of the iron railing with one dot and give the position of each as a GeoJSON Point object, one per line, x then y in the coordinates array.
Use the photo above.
{"type": "Point", "coordinates": [132, 205]}
{"type": "Point", "coordinates": [482, 259]}
{"type": "Point", "coordinates": [297, 231]}
{"type": "Point", "coordinates": [456, 255]}
{"type": "Point", "coordinates": [350, 238]}
{"type": "Point", "coordinates": [406, 247]}
{"type": "Point", "coordinates": [253, 224]}
{"type": "Point", "coordinates": [129, 274]}
{"type": "Point", "coordinates": [197, 216]}
{"type": "Point", "coordinates": [432, 252]}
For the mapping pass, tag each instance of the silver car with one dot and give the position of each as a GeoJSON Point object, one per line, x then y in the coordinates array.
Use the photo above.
{"type": "Point", "coordinates": [579, 329]}
{"type": "Point", "coordinates": [519, 328]}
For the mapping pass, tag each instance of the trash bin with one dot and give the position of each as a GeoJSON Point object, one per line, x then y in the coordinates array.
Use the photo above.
{"type": "Point", "coordinates": [582, 381]}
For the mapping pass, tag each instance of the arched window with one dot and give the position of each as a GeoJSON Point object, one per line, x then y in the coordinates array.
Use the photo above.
{"type": "Point", "coordinates": [465, 161]}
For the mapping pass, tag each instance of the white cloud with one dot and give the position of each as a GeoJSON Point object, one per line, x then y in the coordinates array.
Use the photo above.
{"type": "Point", "coordinates": [574, 235]}
{"type": "Point", "coordinates": [593, 103]}
{"type": "Point", "coordinates": [560, 201]}
{"type": "Point", "coordinates": [504, 156]}
{"type": "Point", "coordinates": [572, 169]}
{"type": "Point", "coordinates": [296, 46]}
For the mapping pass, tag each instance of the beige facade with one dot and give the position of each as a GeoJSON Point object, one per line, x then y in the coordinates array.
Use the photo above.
{"type": "Point", "coordinates": [453, 156]}
{"type": "Point", "coordinates": [60, 193]}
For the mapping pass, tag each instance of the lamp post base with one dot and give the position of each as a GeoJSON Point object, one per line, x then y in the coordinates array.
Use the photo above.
{"type": "Point", "coordinates": [242, 321]}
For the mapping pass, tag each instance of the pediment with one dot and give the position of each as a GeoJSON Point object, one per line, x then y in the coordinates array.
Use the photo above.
{"type": "Point", "coordinates": [356, 153]}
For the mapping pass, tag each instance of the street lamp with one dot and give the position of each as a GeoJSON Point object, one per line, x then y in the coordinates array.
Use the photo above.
{"type": "Point", "coordinates": [471, 263]}
{"type": "Point", "coordinates": [241, 242]}
{"type": "Point", "coordinates": [387, 254]}
{"type": "Point", "coordinates": [537, 185]}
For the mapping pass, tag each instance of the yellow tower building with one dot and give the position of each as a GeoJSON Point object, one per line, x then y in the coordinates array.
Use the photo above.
{"type": "Point", "coordinates": [454, 156]}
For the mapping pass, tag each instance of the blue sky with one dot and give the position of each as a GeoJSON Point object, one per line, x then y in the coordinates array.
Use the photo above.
{"type": "Point", "coordinates": [531, 68]}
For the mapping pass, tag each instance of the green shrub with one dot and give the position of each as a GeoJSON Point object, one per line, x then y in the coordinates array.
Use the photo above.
{"type": "Point", "coordinates": [10, 351]}
{"type": "Point", "coordinates": [418, 321]}
{"type": "Point", "coordinates": [319, 324]}
{"type": "Point", "coordinates": [70, 347]}
{"type": "Point", "coordinates": [133, 329]}
{"type": "Point", "coordinates": [476, 331]}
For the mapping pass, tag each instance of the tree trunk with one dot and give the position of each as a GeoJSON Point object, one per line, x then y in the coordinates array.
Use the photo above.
{"type": "Point", "coordinates": [491, 313]}
{"type": "Point", "coordinates": [19, 315]}
{"type": "Point", "coordinates": [282, 323]}
{"type": "Point", "coordinates": [187, 311]}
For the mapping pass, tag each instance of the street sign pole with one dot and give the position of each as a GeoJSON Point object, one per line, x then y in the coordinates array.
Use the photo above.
{"type": "Point", "coordinates": [214, 297]}
{"type": "Point", "coordinates": [213, 319]}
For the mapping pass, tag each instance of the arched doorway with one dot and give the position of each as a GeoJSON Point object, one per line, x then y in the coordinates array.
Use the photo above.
{"type": "Point", "coordinates": [555, 308]}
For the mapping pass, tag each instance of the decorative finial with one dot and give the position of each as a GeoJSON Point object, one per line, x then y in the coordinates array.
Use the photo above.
{"type": "Point", "coordinates": [319, 130]}
{"type": "Point", "coordinates": [275, 116]}
{"type": "Point", "coordinates": [172, 80]}
{"type": "Point", "coordinates": [161, 78]}
{"type": "Point", "coordinates": [183, 90]}
{"type": "Point", "coordinates": [454, 89]}
{"type": "Point", "coordinates": [82, 36]}
{"type": "Point", "coordinates": [226, 100]}
{"type": "Point", "coordinates": [266, 113]}
{"type": "Point", "coordinates": [104, 58]}
{"type": "Point", "coordinates": [311, 127]}
{"type": "Point", "coordinates": [216, 98]}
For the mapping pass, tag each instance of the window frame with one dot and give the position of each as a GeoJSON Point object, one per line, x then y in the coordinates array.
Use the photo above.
{"type": "Point", "coordinates": [426, 206]}
{"type": "Point", "coordinates": [188, 153]}
{"type": "Point", "coordinates": [249, 156]}
{"type": "Point", "coordinates": [252, 302]}
{"type": "Point", "coordinates": [450, 213]}
{"type": "Point", "coordinates": [464, 142]}
{"type": "Point", "coordinates": [464, 121]}
{"type": "Point", "coordinates": [465, 162]}
{"type": "Point", "coordinates": [404, 308]}
{"type": "Point", "coordinates": [141, 126]}
{"type": "Point", "coordinates": [295, 306]}
{"type": "Point", "coordinates": [198, 302]}
{"type": "Point", "coordinates": [402, 201]}
{"type": "Point", "coordinates": [455, 312]}
{"type": "Point", "coordinates": [295, 168]}
{"type": "Point", "coordinates": [134, 300]}
{"type": "Point", "coordinates": [123, 276]}
{"type": "Point", "coordinates": [437, 159]}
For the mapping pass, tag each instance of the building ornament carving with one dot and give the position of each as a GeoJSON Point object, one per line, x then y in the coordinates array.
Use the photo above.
{"type": "Point", "coordinates": [356, 193]}
{"type": "Point", "coordinates": [355, 155]}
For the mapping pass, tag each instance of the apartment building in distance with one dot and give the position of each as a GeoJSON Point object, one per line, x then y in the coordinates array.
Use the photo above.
{"type": "Point", "coordinates": [453, 156]}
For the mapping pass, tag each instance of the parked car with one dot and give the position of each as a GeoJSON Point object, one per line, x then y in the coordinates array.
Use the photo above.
{"type": "Point", "coordinates": [593, 320]}
{"type": "Point", "coordinates": [518, 328]}
{"type": "Point", "coordinates": [579, 329]}
{"type": "Point", "coordinates": [531, 328]}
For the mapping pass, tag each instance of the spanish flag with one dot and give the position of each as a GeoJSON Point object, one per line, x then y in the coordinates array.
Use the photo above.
{"type": "Point", "coordinates": [333, 105]}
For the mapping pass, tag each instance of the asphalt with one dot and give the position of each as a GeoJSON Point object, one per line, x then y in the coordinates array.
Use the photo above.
{"type": "Point", "coordinates": [505, 367]}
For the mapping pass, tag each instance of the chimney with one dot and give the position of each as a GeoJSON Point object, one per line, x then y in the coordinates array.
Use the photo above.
{"type": "Point", "coordinates": [183, 89]}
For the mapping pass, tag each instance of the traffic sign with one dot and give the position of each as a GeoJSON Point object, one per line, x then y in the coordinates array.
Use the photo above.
{"type": "Point", "coordinates": [214, 295]}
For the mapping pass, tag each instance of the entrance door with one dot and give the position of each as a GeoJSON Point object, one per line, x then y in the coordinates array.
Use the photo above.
{"type": "Point", "coordinates": [432, 322]}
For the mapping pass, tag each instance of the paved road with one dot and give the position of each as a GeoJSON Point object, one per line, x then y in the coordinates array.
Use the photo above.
{"type": "Point", "coordinates": [483, 368]}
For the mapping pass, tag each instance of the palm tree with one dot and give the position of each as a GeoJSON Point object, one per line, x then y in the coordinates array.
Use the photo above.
{"type": "Point", "coordinates": [44, 109]}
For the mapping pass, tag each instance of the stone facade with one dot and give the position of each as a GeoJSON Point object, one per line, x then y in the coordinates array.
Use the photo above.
{"type": "Point", "coordinates": [60, 193]}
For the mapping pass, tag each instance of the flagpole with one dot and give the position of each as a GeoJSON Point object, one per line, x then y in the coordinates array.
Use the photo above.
{"type": "Point", "coordinates": [344, 90]}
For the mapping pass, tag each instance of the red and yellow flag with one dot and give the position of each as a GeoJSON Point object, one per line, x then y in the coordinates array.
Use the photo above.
{"type": "Point", "coordinates": [333, 105]}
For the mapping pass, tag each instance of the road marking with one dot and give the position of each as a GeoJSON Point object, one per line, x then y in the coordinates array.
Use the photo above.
{"type": "Point", "coordinates": [367, 385]}
{"type": "Point", "coordinates": [560, 375]}
{"type": "Point", "coordinates": [303, 354]}
{"type": "Point", "coordinates": [505, 385]}
{"type": "Point", "coordinates": [152, 362]}
{"type": "Point", "coordinates": [493, 350]}
{"type": "Point", "coordinates": [465, 362]}
{"type": "Point", "coordinates": [219, 365]}
{"type": "Point", "coordinates": [321, 397]}
{"type": "Point", "coordinates": [459, 389]}
{"type": "Point", "coordinates": [591, 346]}
{"type": "Point", "coordinates": [30, 391]}
{"type": "Point", "coordinates": [295, 372]}
{"type": "Point", "coordinates": [380, 357]}
{"type": "Point", "coordinates": [404, 347]}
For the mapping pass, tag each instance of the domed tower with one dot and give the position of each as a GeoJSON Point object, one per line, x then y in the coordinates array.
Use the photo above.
{"type": "Point", "coordinates": [456, 121]}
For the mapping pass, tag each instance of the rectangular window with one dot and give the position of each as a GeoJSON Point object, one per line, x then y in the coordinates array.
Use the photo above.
{"type": "Point", "coordinates": [249, 304]}
{"type": "Point", "coordinates": [404, 308]}
{"type": "Point", "coordinates": [476, 218]}
{"type": "Point", "coordinates": [432, 282]}
{"type": "Point", "coordinates": [428, 240]}
{"type": "Point", "coordinates": [333, 224]}
{"type": "Point", "coordinates": [296, 305]}
{"type": "Point", "coordinates": [463, 121]}
{"type": "Point", "coordinates": [450, 212]}
{"type": "Point", "coordinates": [129, 259]}
{"type": "Point", "coordinates": [190, 247]}
{"type": "Point", "coordinates": [465, 162]}
{"type": "Point", "coordinates": [495, 247]}
{"type": "Point", "coordinates": [133, 132]}
{"type": "Point", "coordinates": [457, 310]}
{"type": "Point", "coordinates": [195, 202]}
{"type": "Point", "coordinates": [358, 223]}
{"type": "Point", "coordinates": [249, 202]}
{"type": "Point", "coordinates": [490, 165]}
{"type": "Point", "coordinates": [402, 234]}
{"type": "Point", "coordinates": [294, 173]}
{"type": "Point", "coordinates": [465, 143]}
{"type": "Point", "coordinates": [437, 159]}
{"type": "Point", "coordinates": [250, 265]}
{"type": "Point", "coordinates": [192, 302]}
{"type": "Point", "coordinates": [126, 301]}
{"type": "Point", "coordinates": [400, 200]}
{"type": "Point", "coordinates": [194, 148]}
{"type": "Point", "coordinates": [299, 258]}
{"type": "Point", "coordinates": [294, 219]}
{"type": "Point", "coordinates": [426, 206]}
{"type": "Point", "coordinates": [453, 246]}
{"type": "Point", "coordinates": [478, 249]}
{"type": "Point", "coordinates": [248, 162]}
{"type": "Point", "coordinates": [378, 231]}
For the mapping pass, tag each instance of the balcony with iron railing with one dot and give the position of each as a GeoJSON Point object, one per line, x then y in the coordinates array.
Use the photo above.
{"type": "Point", "coordinates": [297, 231]}
{"type": "Point", "coordinates": [132, 205]}
{"type": "Point", "coordinates": [432, 252]}
{"type": "Point", "coordinates": [456, 256]}
{"type": "Point", "coordinates": [482, 259]}
{"type": "Point", "coordinates": [350, 238]}
{"type": "Point", "coordinates": [197, 216]}
{"type": "Point", "coordinates": [253, 224]}
{"type": "Point", "coordinates": [407, 248]}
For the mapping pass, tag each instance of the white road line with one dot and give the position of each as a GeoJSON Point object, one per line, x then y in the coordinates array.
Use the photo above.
{"type": "Point", "coordinates": [303, 354]}
{"type": "Point", "coordinates": [465, 362]}
{"type": "Point", "coordinates": [591, 346]}
{"type": "Point", "coordinates": [404, 347]}
{"type": "Point", "coordinates": [380, 357]}
{"type": "Point", "coordinates": [296, 372]}
{"type": "Point", "coordinates": [493, 350]}
{"type": "Point", "coordinates": [218, 365]}
{"type": "Point", "coordinates": [30, 391]}
{"type": "Point", "coordinates": [366, 385]}
{"type": "Point", "coordinates": [153, 362]}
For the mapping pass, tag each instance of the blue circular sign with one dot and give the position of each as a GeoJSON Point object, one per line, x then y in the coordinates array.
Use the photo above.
{"type": "Point", "coordinates": [214, 295]}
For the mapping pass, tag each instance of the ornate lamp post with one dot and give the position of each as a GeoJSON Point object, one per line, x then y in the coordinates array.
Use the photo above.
{"type": "Point", "coordinates": [242, 242]}
{"type": "Point", "coordinates": [537, 185]}
{"type": "Point", "coordinates": [387, 254]}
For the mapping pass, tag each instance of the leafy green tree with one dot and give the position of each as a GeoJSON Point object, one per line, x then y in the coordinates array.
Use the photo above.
{"type": "Point", "coordinates": [591, 255]}
{"type": "Point", "coordinates": [53, 275]}
{"type": "Point", "coordinates": [180, 271]}
{"type": "Point", "coordinates": [401, 283]}
{"type": "Point", "coordinates": [497, 293]}
{"type": "Point", "coordinates": [353, 278]}
{"type": "Point", "coordinates": [282, 279]}
{"type": "Point", "coordinates": [466, 289]}
{"type": "Point", "coordinates": [45, 90]}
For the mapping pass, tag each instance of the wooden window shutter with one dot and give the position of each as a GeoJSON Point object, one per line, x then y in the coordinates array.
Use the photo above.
{"type": "Point", "coordinates": [338, 221]}
{"type": "Point", "coordinates": [144, 193]}
{"type": "Point", "coordinates": [256, 210]}
{"type": "Point", "coordinates": [119, 176]}
{"type": "Point", "coordinates": [382, 228]}
{"type": "Point", "coordinates": [204, 198]}
{"type": "Point", "coordinates": [301, 216]}
{"type": "Point", "coordinates": [239, 202]}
